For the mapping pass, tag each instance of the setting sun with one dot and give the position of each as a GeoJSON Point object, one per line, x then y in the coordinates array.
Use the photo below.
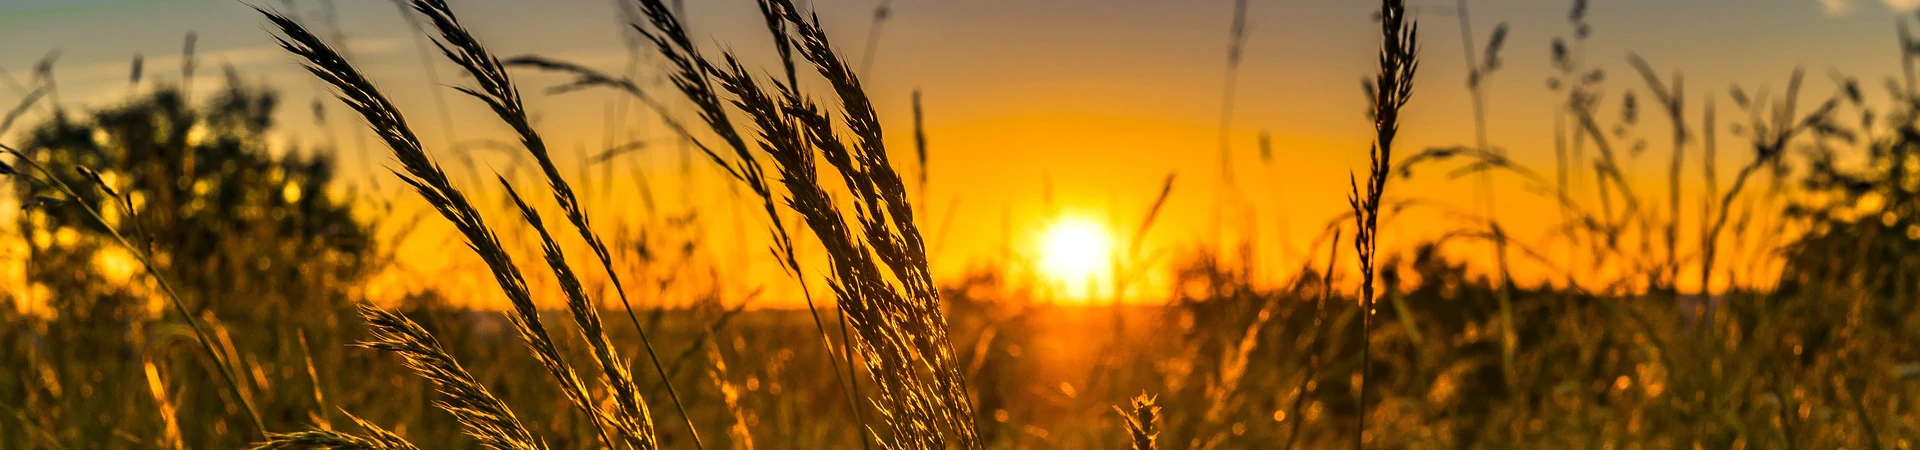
{"type": "Point", "coordinates": [1075, 253]}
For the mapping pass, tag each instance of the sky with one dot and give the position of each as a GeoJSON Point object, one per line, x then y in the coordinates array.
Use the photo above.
{"type": "Point", "coordinates": [1038, 112]}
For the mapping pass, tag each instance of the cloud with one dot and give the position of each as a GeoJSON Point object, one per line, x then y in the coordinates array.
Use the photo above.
{"type": "Point", "coordinates": [1842, 7]}
{"type": "Point", "coordinates": [251, 57]}
{"type": "Point", "coordinates": [1838, 7]}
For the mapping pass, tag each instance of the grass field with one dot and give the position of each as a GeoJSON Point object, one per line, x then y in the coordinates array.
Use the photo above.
{"type": "Point", "coordinates": [178, 286]}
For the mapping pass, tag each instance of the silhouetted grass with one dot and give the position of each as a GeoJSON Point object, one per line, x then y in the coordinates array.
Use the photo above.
{"type": "Point", "coordinates": [1805, 343]}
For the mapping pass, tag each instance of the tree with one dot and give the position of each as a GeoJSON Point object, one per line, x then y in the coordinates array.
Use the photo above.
{"type": "Point", "coordinates": [228, 221]}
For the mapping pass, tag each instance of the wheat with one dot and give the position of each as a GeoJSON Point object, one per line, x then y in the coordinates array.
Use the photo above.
{"type": "Point", "coordinates": [484, 416]}
{"type": "Point", "coordinates": [496, 89]}
{"type": "Point", "coordinates": [1389, 90]}
{"type": "Point", "coordinates": [1142, 421]}
{"type": "Point", "coordinates": [377, 438]}
{"type": "Point", "coordinates": [426, 177]}
{"type": "Point", "coordinates": [634, 421]}
{"type": "Point", "coordinates": [879, 268]}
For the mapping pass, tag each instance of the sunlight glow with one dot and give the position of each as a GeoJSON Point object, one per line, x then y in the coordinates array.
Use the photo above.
{"type": "Point", "coordinates": [1076, 254]}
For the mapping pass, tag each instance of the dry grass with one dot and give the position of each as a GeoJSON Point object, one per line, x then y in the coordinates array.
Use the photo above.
{"type": "Point", "coordinates": [144, 256]}
{"type": "Point", "coordinates": [376, 439]}
{"type": "Point", "coordinates": [1389, 90]}
{"type": "Point", "coordinates": [1142, 422]}
{"type": "Point", "coordinates": [899, 325]}
{"type": "Point", "coordinates": [483, 415]}
{"type": "Point", "coordinates": [1609, 353]}
{"type": "Point", "coordinates": [432, 184]}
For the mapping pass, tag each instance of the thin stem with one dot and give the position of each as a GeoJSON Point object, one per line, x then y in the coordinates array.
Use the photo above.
{"type": "Point", "coordinates": [1314, 345]}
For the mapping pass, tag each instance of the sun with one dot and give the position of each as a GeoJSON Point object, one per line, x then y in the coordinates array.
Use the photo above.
{"type": "Point", "coordinates": [1076, 254]}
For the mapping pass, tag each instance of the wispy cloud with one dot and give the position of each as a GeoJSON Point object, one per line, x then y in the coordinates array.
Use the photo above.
{"type": "Point", "coordinates": [242, 57]}
{"type": "Point", "coordinates": [1834, 7]}
{"type": "Point", "coordinates": [1842, 7]}
{"type": "Point", "coordinates": [96, 82]}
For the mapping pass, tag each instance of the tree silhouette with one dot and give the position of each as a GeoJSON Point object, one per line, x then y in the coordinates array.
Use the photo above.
{"type": "Point", "coordinates": [226, 219]}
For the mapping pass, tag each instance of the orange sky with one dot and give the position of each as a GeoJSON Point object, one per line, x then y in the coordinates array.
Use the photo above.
{"type": "Point", "coordinates": [1096, 101]}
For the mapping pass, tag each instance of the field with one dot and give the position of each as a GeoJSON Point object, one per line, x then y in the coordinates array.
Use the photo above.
{"type": "Point", "coordinates": [1728, 269]}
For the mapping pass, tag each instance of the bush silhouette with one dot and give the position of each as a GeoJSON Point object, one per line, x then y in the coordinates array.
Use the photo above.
{"type": "Point", "coordinates": [225, 217]}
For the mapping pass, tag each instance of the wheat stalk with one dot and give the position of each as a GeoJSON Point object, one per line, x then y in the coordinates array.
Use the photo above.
{"type": "Point", "coordinates": [634, 420]}
{"type": "Point", "coordinates": [877, 262]}
{"type": "Point", "coordinates": [376, 438]}
{"type": "Point", "coordinates": [426, 177]}
{"type": "Point", "coordinates": [482, 415]}
{"type": "Point", "coordinates": [497, 90]}
{"type": "Point", "coordinates": [1389, 90]}
{"type": "Point", "coordinates": [1142, 422]}
{"type": "Point", "coordinates": [692, 78]}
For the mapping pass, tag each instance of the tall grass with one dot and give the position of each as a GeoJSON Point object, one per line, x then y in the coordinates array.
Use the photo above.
{"type": "Point", "coordinates": [419, 170]}
{"type": "Point", "coordinates": [498, 92]}
{"type": "Point", "coordinates": [1388, 91]}
{"type": "Point", "coordinates": [1607, 353]}
{"type": "Point", "coordinates": [1142, 421]}
{"type": "Point", "coordinates": [376, 438]}
{"type": "Point", "coordinates": [879, 269]}
{"type": "Point", "coordinates": [144, 256]}
{"type": "Point", "coordinates": [484, 416]}
{"type": "Point", "coordinates": [1236, 45]}
{"type": "Point", "coordinates": [898, 321]}
{"type": "Point", "coordinates": [896, 318]}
